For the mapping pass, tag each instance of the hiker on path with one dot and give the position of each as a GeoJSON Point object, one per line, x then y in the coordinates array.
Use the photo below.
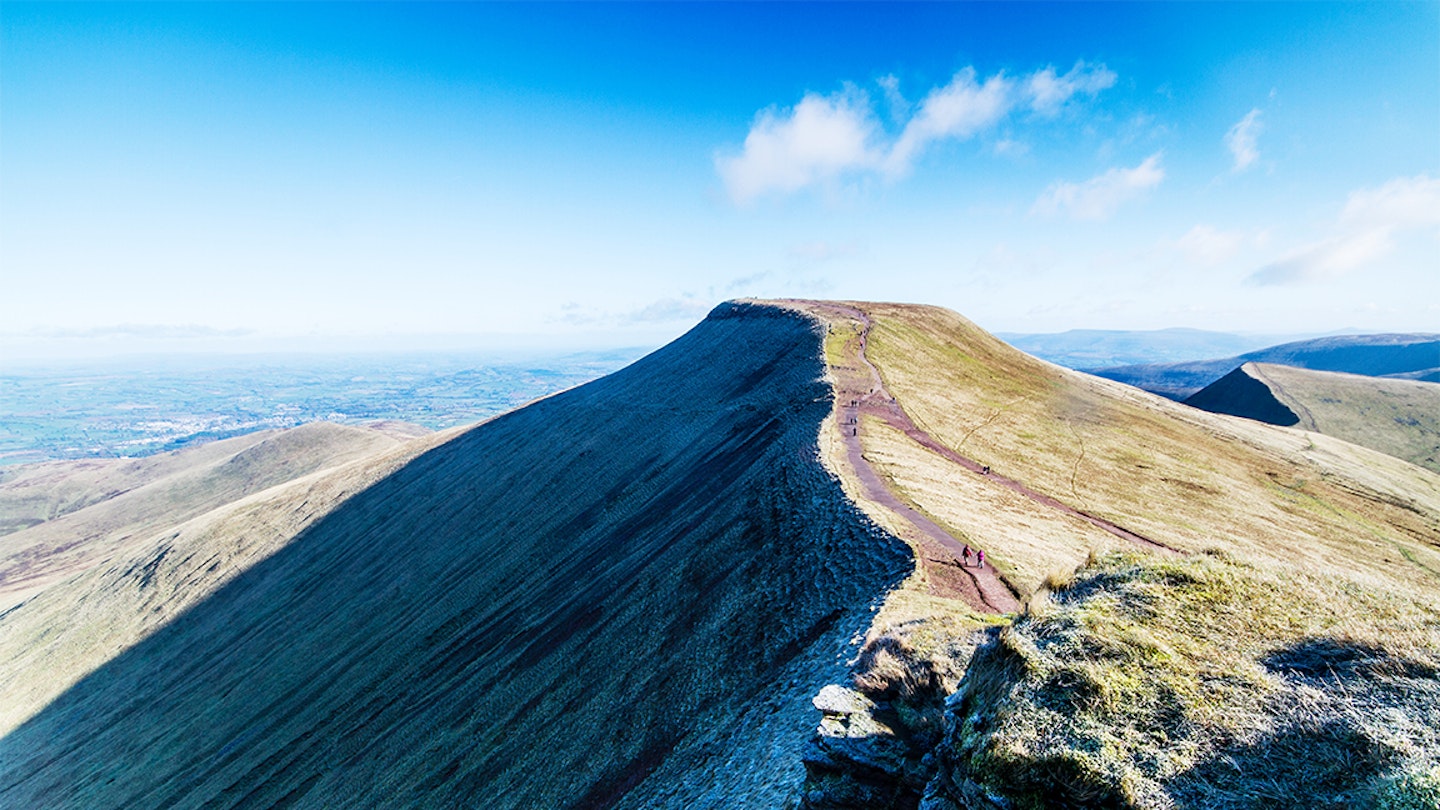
{"type": "Point", "coordinates": [980, 558]}
{"type": "Point", "coordinates": [966, 554]}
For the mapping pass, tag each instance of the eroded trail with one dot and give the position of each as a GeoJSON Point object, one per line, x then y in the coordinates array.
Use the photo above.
{"type": "Point", "coordinates": [862, 391]}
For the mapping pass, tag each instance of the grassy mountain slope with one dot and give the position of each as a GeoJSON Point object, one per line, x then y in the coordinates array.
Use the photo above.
{"type": "Point", "coordinates": [1286, 654]}
{"type": "Point", "coordinates": [621, 595]}
{"type": "Point", "coordinates": [1372, 355]}
{"type": "Point", "coordinates": [1185, 478]}
{"type": "Point", "coordinates": [98, 509]}
{"type": "Point", "coordinates": [1397, 417]}
{"type": "Point", "coordinates": [31, 494]}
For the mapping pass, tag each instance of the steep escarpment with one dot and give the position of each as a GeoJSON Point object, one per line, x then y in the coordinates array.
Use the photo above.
{"type": "Point", "coordinates": [622, 595]}
{"type": "Point", "coordinates": [1394, 416]}
{"type": "Point", "coordinates": [1243, 392]}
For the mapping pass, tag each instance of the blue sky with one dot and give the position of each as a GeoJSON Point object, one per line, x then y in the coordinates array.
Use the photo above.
{"type": "Point", "coordinates": [220, 176]}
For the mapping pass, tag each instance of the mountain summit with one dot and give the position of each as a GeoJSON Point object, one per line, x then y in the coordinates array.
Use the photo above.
{"type": "Point", "coordinates": [647, 591]}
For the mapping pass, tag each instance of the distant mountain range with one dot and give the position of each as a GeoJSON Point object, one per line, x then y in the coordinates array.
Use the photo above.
{"type": "Point", "coordinates": [1085, 349]}
{"type": "Point", "coordinates": [1405, 356]}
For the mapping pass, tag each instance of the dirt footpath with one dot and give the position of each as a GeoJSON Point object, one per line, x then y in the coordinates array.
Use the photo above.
{"type": "Point", "coordinates": [861, 392]}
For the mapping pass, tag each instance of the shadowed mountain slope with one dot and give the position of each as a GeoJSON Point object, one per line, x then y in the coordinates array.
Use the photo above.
{"type": "Point", "coordinates": [1243, 393]}
{"type": "Point", "coordinates": [1397, 417]}
{"type": "Point", "coordinates": [621, 595]}
{"type": "Point", "coordinates": [84, 512]}
{"type": "Point", "coordinates": [1389, 355]}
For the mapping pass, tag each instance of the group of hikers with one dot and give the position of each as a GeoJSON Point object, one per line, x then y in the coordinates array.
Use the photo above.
{"type": "Point", "coordinates": [979, 556]}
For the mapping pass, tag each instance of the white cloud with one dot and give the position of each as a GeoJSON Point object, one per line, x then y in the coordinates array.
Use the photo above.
{"type": "Point", "coordinates": [960, 109]}
{"type": "Point", "coordinates": [669, 310]}
{"type": "Point", "coordinates": [817, 141]}
{"type": "Point", "coordinates": [895, 102]}
{"type": "Point", "coordinates": [1327, 259]}
{"type": "Point", "coordinates": [1099, 197]}
{"type": "Point", "coordinates": [1405, 202]}
{"type": "Point", "coordinates": [1206, 245]}
{"type": "Point", "coordinates": [1049, 92]}
{"type": "Point", "coordinates": [681, 309]}
{"type": "Point", "coordinates": [1368, 229]}
{"type": "Point", "coordinates": [137, 331]}
{"type": "Point", "coordinates": [1008, 147]}
{"type": "Point", "coordinates": [1240, 140]}
{"type": "Point", "coordinates": [825, 138]}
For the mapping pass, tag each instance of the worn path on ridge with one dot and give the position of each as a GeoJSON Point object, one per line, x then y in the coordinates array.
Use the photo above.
{"type": "Point", "coordinates": [858, 395]}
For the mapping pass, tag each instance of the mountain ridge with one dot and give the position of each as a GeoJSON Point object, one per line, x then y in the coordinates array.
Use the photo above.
{"type": "Point", "coordinates": [1390, 354]}
{"type": "Point", "coordinates": [1394, 416]}
{"type": "Point", "coordinates": [641, 591]}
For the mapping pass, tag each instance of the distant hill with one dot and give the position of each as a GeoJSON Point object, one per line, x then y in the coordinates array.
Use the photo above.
{"type": "Point", "coordinates": [1413, 356]}
{"type": "Point", "coordinates": [60, 518]}
{"type": "Point", "coordinates": [1395, 416]}
{"type": "Point", "coordinates": [1085, 349]}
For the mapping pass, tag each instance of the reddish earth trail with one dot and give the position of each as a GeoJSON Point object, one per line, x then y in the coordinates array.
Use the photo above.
{"type": "Point", "coordinates": [863, 392]}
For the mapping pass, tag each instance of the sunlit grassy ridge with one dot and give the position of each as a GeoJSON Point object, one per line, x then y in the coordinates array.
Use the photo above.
{"type": "Point", "coordinates": [78, 514]}
{"type": "Point", "coordinates": [1397, 417]}
{"type": "Point", "coordinates": [1286, 655]}
{"type": "Point", "coordinates": [1186, 478]}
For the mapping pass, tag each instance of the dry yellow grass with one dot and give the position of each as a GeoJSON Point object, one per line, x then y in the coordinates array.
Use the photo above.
{"type": "Point", "coordinates": [1397, 417]}
{"type": "Point", "coordinates": [108, 509]}
{"type": "Point", "coordinates": [1186, 478]}
{"type": "Point", "coordinates": [1132, 677]}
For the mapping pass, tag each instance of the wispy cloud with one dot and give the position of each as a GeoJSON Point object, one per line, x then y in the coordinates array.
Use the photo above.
{"type": "Point", "coordinates": [823, 139]}
{"type": "Point", "coordinates": [674, 309]}
{"type": "Point", "coordinates": [895, 102]}
{"type": "Point", "coordinates": [669, 310]}
{"type": "Point", "coordinates": [1241, 140]}
{"type": "Point", "coordinates": [1099, 197]}
{"type": "Point", "coordinates": [958, 110]}
{"type": "Point", "coordinates": [1366, 232]}
{"type": "Point", "coordinates": [1049, 92]}
{"type": "Point", "coordinates": [1326, 259]}
{"type": "Point", "coordinates": [1405, 202]}
{"type": "Point", "coordinates": [1204, 244]}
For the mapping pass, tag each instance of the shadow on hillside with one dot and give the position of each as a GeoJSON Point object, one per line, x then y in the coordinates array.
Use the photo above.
{"type": "Point", "coordinates": [1336, 730]}
{"type": "Point", "coordinates": [635, 579]}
